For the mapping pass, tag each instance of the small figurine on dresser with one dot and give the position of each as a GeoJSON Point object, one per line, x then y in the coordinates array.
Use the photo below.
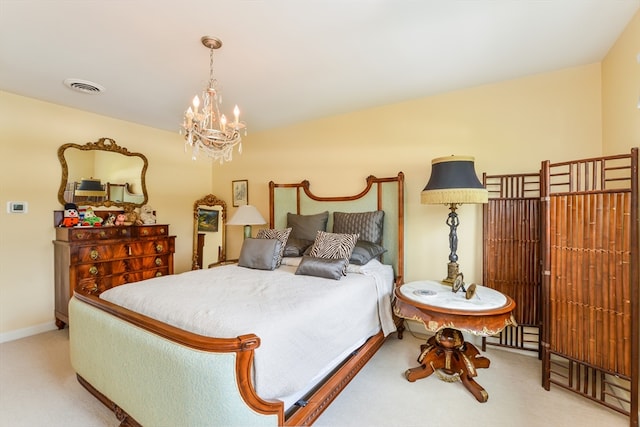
{"type": "Point", "coordinates": [131, 218]}
{"type": "Point", "coordinates": [120, 219]}
{"type": "Point", "coordinates": [71, 217]}
{"type": "Point", "coordinates": [146, 215]}
{"type": "Point", "coordinates": [110, 221]}
{"type": "Point", "coordinates": [91, 219]}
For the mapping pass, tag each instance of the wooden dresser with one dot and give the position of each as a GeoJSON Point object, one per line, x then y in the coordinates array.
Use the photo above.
{"type": "Point", "coordinates": [99, 258]}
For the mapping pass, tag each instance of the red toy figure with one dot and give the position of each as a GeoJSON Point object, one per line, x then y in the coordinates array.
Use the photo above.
{"type": "Point", "coordinates": [71, 215]}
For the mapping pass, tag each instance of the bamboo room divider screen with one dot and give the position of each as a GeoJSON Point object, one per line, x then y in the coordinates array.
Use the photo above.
{"type": "Point", "coordinates": [511, 254]}
{"type": "Point", "coordinates": [590, 279]}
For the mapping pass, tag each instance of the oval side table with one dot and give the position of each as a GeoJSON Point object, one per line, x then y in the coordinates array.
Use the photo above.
{"type": "Point", "coordinates": [448, 314]}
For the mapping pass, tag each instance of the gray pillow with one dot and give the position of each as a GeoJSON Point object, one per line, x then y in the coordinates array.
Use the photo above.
{"type": "Point", "coordinates": [305, 226]}
{"type": "Point", "coordinates": [261, 254]}
{"type": "Point", "coordinates": [296, 247]}
{"type": "Point", "coordinates": [281, 235]}
{"type": "Point", "coordinates": [322, 267]}
{"type": "Point", "coordinates": [367, 224]}
{"type": "Point", "coordinates": [365, 251]}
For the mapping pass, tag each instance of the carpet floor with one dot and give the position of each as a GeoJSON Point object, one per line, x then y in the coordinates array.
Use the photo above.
{"type": "Point", "coordinates": [38, 388]}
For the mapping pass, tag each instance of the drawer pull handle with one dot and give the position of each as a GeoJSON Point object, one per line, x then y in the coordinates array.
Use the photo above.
{"type": "Point", "coordinates": [158, 273]}
{"type": "Point", "coordinates": [94, 254]}
{"type": "Point", "coordinates": [162, 231]}
{"type": "Point", "coordinates": [79, 235]}
{"type": "Point", "coordinates": [93, 270]}
{"type": "Point", "coordinates": [92, 288]}
{"type": "Point", "coordinates": [158, 262]}
{"type": "Point", "coordinates": [159, 247]}
{"type": "Point", "coordinates": [124, 231]}
{"type": "Point", "coordinates": [103, 234]}
{"type": "Point", "coordinates": [145, 232]}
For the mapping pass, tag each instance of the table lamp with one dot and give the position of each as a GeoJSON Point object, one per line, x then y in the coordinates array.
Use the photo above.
{"type": "Point", "coordinates": [247, 215]}
{"type": "Point", "coordinates": [453, 182]}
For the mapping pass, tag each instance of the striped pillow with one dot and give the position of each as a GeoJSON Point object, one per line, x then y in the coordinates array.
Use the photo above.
{"type": "Point", "coordinates": [334, 246]}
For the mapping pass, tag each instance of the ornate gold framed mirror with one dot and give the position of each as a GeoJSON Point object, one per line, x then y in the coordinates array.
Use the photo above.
{"type": "Point", "coordinates": [209, 234]}
{"type": "Point", "coordinates": [102, 173]}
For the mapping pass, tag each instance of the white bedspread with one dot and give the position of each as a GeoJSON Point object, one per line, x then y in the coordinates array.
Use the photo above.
{"type": "Point", "coordinates": [303, 322]}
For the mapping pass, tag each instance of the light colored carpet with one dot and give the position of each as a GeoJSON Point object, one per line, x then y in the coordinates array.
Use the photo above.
{"type": "Point", "coordinates": [39, 388]}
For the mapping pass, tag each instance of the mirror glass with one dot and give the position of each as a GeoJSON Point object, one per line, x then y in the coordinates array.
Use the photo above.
{"type": "Point", "coordinates": [117, 175]}
{"type": "Point", "coordinates": [209, 241]}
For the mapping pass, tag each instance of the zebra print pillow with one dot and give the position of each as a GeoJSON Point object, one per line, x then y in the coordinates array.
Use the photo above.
{"type": "Point", "coordinates": [281, 235]}
{"type": "Point", "coordinates": [334, 246]}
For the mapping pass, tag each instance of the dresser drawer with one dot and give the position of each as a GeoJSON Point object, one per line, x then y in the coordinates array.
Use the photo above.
{"type": "Point", "coordinates": [149, 247]}
{"type": "Point", "coordinates": [146, 263]}
{"type": "Point", "coordinates": [101, 269]}
{"type": "Point", "coordinates": [151, 230]}
{"type": "Point", "coordinates": [104, 252]}
{"type": "Point", "coordinates": [132, 248]}
{"type": "Point", "coordinates": [92, 233]}
{"type": "Point", "coordinates": [97, 285]}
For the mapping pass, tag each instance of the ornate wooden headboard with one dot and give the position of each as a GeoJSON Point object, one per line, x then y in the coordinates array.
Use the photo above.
{"type": "Point", "coordinates": [386, 194]}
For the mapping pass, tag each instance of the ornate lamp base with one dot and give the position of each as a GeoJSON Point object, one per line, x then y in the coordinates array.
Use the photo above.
{"type": "Point", "coordinates": [452, 272]}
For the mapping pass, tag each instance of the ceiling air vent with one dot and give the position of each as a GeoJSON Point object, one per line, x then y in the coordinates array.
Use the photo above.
{"type": "Point", "coordinates": [84, 86]}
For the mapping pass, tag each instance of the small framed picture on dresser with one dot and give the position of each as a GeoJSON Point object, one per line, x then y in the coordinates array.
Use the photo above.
{"type": "Point", "coordinates": [240, 191]}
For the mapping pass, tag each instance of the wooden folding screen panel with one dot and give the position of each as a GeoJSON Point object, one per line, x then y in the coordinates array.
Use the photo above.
{"type": "Point", "coordinates": [590, 279]}
{"type": "Point", "coordinates": [511, 254]}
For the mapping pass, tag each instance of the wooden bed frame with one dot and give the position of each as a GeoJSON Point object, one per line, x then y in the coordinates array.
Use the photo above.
{"type": "Point", "coordinates": [139, 392]}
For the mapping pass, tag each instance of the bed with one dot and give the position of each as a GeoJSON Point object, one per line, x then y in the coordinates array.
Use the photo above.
{"type": "Point", "coordinates": [293, 324]}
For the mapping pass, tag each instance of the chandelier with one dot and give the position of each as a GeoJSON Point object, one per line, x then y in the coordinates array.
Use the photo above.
{"type": "Point", "coordinates": [205, 129]}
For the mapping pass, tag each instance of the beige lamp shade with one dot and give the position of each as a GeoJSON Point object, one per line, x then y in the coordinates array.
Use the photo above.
{"type": "Point", "coordinates": [247, 215]}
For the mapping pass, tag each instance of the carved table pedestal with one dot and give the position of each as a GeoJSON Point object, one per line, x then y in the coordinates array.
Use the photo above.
{"type": "Point", "coordinates": [448, 314]}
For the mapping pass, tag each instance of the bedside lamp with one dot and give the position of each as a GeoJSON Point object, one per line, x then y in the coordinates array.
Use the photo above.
{"type": "Point", "coordinates": [247, 215]}
{"type": "Point", "coordinates": [453, 182]}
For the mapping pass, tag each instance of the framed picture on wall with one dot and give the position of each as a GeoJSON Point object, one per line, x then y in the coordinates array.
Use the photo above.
{"type": "Point", "coordinates": [240, 191]}
{"type": "Point", "coordinates": [207, 220]}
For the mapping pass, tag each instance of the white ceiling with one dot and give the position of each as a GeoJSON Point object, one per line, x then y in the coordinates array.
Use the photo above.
{"type": "Point", "coordinates": [284, 61]}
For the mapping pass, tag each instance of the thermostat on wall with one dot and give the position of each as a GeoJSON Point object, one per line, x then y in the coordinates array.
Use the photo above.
{"type": "Point", "coordinates": [17, 207]}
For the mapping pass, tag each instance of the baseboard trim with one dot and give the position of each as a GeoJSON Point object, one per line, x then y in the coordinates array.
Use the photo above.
{"type": "Point", "coordinates": [27, 332]}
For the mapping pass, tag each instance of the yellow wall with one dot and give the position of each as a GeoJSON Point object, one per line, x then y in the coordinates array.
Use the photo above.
{"type": "Point", "coordinates": [31, 132]}
{"type": "Point", "coordinates": [508, 127]}
{"type": "Point", "coordinates": [621, 92]}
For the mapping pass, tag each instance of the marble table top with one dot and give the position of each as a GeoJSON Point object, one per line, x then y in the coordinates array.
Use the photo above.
{"type": "Point", "coordinates": [436, 294]}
